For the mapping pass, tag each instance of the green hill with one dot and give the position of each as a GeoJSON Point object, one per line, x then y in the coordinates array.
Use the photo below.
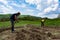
{"type": "Point", "coordinates": [21, 17]}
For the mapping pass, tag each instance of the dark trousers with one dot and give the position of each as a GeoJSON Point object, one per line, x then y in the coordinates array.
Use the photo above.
{"type": "Point", "coordinates": [12, 25]}
{"type": "Point", "coordinates": [42, 24]}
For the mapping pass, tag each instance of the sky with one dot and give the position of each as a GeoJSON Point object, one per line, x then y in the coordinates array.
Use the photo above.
{"type": "Point", "coordinates": [39, 8]}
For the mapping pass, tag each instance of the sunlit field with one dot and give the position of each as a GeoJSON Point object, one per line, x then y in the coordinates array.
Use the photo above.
{"type": "Point", "coordinates": [48, 22]}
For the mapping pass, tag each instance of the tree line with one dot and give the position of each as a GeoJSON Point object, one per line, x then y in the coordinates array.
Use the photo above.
{"type": "Point", "coordinates": [23, 17]}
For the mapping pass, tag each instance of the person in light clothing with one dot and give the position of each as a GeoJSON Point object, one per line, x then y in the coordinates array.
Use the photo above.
{"type": "Point", "coordinates": [42, 22]}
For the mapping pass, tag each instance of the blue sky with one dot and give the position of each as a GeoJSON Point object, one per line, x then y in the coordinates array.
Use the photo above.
{"type": "Point", "coordinates": [40, 8]}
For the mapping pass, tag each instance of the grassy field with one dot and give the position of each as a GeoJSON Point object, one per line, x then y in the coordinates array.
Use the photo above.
{"type": "Point", "coordinates": [20, 23]}
{"type": "Point", "coordinates": [48, 22]}
{"type": "Point", "coordinates": [51, 23]}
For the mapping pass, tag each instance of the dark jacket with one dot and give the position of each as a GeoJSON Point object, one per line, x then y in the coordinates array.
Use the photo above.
{"type": "Point", "coordinates": [13, 17]}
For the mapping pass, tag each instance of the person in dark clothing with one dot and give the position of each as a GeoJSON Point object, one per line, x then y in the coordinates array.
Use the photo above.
{"type": "Point", "coordinates": [12, 19]}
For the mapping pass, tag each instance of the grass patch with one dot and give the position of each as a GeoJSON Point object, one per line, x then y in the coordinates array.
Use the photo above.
{"type": "Point", "coordinates": [20, 23]}
{"type": "Point", "coordinates": [49, 23]}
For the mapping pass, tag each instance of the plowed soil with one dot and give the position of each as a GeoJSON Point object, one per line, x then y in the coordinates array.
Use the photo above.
{"type": "Point", "coordinates": [30, 32]}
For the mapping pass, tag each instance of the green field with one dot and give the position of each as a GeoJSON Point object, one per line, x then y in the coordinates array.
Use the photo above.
{"type": "Point", "coordinates": [20, 23]}
{"type": "Point", "coordinates": [53, 22]}
{"type": "Point", "coordinates": [28, 20]}
{"type": "Point", "coordinates": [49, 22]}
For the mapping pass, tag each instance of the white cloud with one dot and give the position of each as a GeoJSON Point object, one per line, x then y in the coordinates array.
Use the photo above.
{"type": "Point", "coordinates": [7, 9]}
{"type": "Point", "coordinates": [33, 1]}
{"type": "Point", "coordinates": [39, 14]}
{"type": "Point", "coordinates": [30, 1]}
{"type": "Point", "coordinates": [23, 5]}
{"type": "Point", "coordinates": [28, 12]}
{"type": "Point", "coordinates": [47, 10]}
{"type": "Point", "coordinates": [49, 1]}
{"type": "Point", "coordinates": [3, 1]}
{"type": "Point", "coordinates": [52, 16]}
{"type": "Point", "coordinates": [51, 8]}
{"type": "Point", "coordinates": [39, 7]}
{"type": "Point", "coordinates": [55, 7]}
{"type": "Point", "coordinates": [36, 2]}
{"type": "Point", "coordinates": [56, 1]}
{"type": "Point", "coordinates": [19, 5]}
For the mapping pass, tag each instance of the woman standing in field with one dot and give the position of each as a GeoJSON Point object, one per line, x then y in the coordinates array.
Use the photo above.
{"type": "Point", "coordinates": [14, 18]}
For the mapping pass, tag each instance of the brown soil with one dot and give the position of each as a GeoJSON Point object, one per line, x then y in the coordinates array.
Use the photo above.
{"type": "Point", "coordinates": [30, 32]}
